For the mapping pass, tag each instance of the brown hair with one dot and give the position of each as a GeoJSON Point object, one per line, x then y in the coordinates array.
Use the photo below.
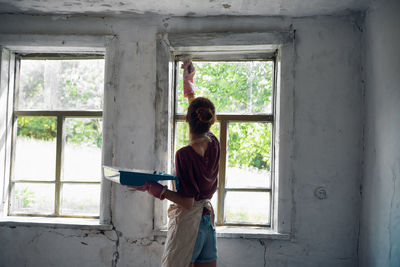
{"type": "Point", "coordinates": [200, 115]}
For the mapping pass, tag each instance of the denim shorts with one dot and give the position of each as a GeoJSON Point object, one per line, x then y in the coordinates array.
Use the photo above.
{"type": "Point", "coordinates": [205, 248]}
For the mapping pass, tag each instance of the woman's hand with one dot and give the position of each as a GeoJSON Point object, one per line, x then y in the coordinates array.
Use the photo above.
{"type": "Point", "coordinates": [161, 192]}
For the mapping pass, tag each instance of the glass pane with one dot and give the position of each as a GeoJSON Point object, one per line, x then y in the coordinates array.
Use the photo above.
{"type": "Point", "coordinates": [247, 207]}
{"type": "Point", "coordinates": [35, 148]}
{"type": "Point", "coordinates": [182, 133]}
{"type": "Point", "coordinates": [82, 151]}
{"type": "Point", "coordinates": [249, 155]}
{"type": "Point", "coordinates": [32, 198]}
{"type": "Point", "coordinates": [61, 84]}
{"type": "Point", "coordinates": [234, 87]}
{"type": "Point", "coordinates": [80, 199]}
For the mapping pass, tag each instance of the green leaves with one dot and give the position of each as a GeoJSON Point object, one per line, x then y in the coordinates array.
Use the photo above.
{"type": "Point", "coordinates": [86, 131]}
{"type": "Point", "coordinates": [26, 196]}
{"type": "Point", "coordinates": [234, 87]}
{"type": "Point", "coordinates": [42, 128]}
{"type": "Point", "coordinates": [78, 130]}
{"type": "Point", "coordinates": [249, 145]}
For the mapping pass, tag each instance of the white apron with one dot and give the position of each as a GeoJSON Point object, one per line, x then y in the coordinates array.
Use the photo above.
{"type": "Point", "coordinates": [182, 233]}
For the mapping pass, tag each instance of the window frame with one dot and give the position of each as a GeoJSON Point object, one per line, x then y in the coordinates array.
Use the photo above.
{"type": "Point", "coordinates": [87, 45]}
{"type": "Point", "coordinates": [223, 119]}
{"type": "Point", "coordinates": [170, 45]}
{"type": "Point", "coordinates": [60, 116]}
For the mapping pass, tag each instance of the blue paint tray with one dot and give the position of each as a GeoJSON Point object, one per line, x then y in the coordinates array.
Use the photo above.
{"type": "Point", "coordinates": [136, 177]}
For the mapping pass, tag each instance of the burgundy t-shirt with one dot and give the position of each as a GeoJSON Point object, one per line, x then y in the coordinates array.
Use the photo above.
{"type": "Point", "coordinates": [197, 174]}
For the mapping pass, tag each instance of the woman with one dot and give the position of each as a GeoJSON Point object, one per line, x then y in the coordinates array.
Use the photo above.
{"type": "Point", "coordinates": [191, 239]}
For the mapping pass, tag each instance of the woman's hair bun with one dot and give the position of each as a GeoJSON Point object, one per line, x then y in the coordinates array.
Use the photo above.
{"type": "Point", "coordinates": [205, 114]}
{"type": "Point", "coordinates": [200, 115]}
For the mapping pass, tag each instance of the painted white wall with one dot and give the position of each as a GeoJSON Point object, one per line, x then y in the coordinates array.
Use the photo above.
{"type": "Point", "coordinates": [328, 113]}
{"type": "Point", "coordinates": [380, 218]}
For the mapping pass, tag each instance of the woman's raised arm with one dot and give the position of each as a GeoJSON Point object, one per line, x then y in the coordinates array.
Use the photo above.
{"type": "Point", "coordinates": [188, 83]}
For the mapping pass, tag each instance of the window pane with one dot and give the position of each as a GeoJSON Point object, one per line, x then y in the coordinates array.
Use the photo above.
{"type": "Point", "coordinates": [182, 133]}
{"type": "Point", "coordinates": [61, 84]}
{"type": "Point", "coordinates": [80, 199]}
{"type": "Point", "coordinates": [249, 155]}
{"type": "Point", "coordinates": [234, 87]}
{"type": "Point", "coordinates": [82, 151]}
{"type": "Point", "coordinates": [32, 198]}
{"type": "Point", "coordinates": [247, 207]}
{"type": "Point", "coordinates": [35, 148]}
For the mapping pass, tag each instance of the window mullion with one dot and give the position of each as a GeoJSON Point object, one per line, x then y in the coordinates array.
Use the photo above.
{"type": "Point", "coordinates": [59, 153]}
{"type": "Point", "coordinates": [222, 171]}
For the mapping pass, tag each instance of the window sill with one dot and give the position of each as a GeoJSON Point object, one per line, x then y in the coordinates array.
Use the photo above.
{"type": "Point", "coordinates": [242, 233]}
{"type": "Point", "coordinates": [70, 223]}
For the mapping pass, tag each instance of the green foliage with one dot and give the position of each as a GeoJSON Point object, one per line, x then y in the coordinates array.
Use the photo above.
{"type": "Point", "coordinates": [249, 145]}
{"type": "Point", "coordinates": [82, 84]}
{"type": "Point", "coordinates": [61, 84]}
{"type": "Point", "coordinates": [86, 131]}
{"type": "Point", "coordinates": [32, 82]}
{"type": "Point", "coordinates": [78, 85]}
{"type": "Point", "coordinates": [236, 87]}
{"type": "Point", "coordinates": [78, 131]}
{"type": "Point", "coordinates": [26, 196]}
{"type": "Point", "coordinates": [42, 128]}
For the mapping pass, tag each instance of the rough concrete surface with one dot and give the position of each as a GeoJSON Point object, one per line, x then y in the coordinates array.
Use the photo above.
{"type": "Point", "coordinates": [184, 8]}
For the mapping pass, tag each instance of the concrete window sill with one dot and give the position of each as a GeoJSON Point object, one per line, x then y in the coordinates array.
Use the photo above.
{"type": "Point", "coordinates": [70, 223]}
{"type": "Point", "coordinates": [241, 232]}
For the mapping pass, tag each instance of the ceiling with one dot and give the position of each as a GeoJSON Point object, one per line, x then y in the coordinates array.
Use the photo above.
{"type": "Point", "coordinates": [197, 8]}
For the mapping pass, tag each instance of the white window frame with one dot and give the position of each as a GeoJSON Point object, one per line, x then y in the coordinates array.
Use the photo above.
{"type": "Point", "coordinates": [200, 44]}
{"type": "Point", "coordinates": [57, 44]}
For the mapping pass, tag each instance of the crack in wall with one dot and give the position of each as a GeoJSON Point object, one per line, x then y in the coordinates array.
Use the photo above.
{"type": "Point", "coordinates": [34, 238]}
{"type": "Point", "coordinates": [144, 242]}
{"type": "Point", "coordinates": [67, 236]}
{"type": "Point", "coordinates": [115, 256]}
{"type": "Point", "coordinates": [359, 22]}
{"type": "Point", "coordinates": [264, 245]}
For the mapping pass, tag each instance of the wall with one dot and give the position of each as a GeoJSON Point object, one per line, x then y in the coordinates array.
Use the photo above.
{"type": "Point", "coordinates": [380, 220]}
{"type": "Point", "coordinates": [327, 133]}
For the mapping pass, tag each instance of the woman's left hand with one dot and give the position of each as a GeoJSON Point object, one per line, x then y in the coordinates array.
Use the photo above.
{"type": "Point", "coordinates": [153, 188]}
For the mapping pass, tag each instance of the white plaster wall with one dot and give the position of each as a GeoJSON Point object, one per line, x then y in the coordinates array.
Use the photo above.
{"type": "Point", "coordinates": [380, 220]}
{"type": "Point", "coordinates": [327, 147]}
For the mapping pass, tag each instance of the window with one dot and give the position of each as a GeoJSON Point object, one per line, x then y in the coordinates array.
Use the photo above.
{"type": "Point", "coordinates": [57, 136]}
{"type": "Point", "coordinates": [243, 93]}
{"type": "Point", "coordinates": [272, 122]}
